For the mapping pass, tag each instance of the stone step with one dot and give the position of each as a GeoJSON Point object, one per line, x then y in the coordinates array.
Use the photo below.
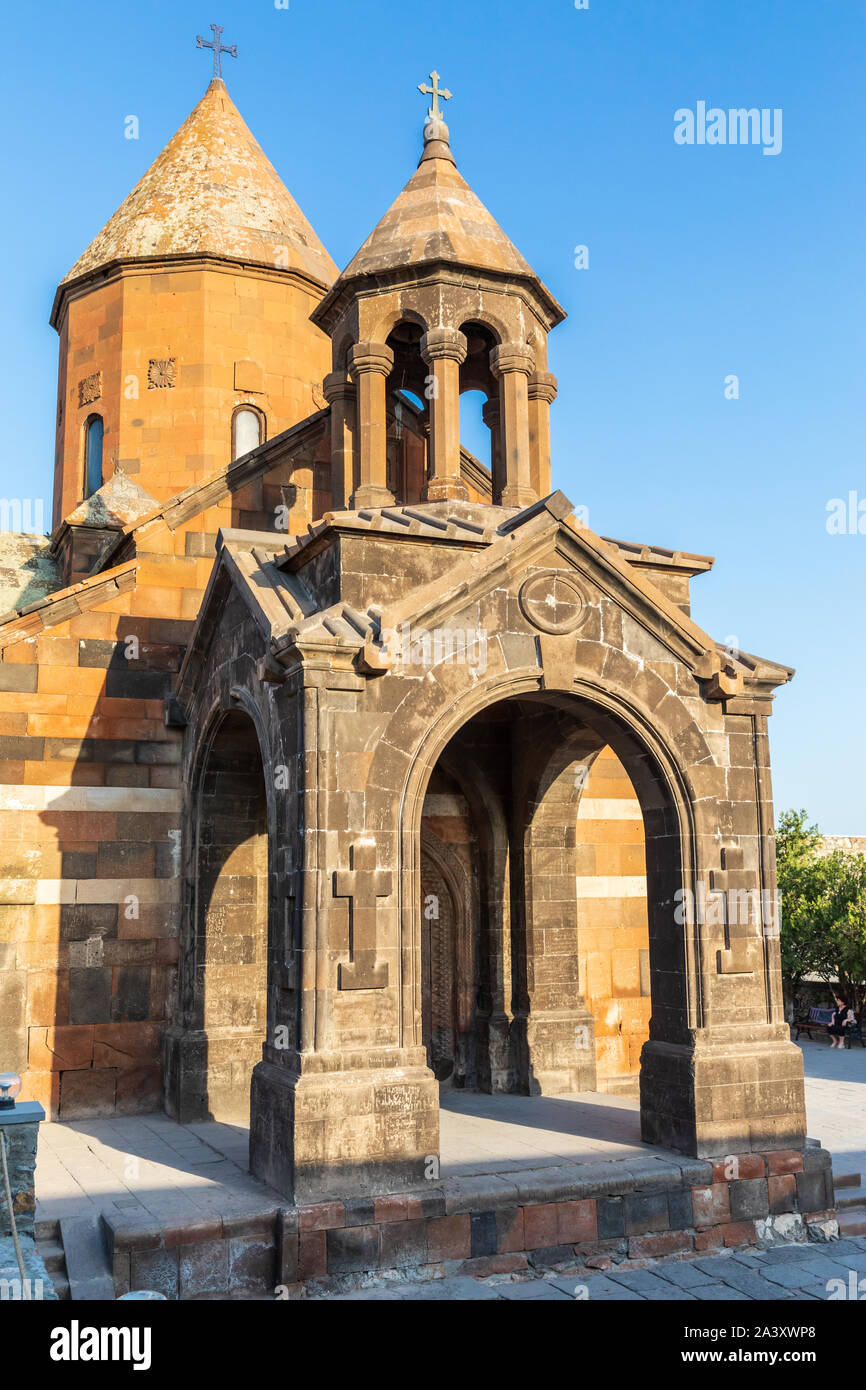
{"type": "Point", "coordinates": [847, 1180]}
{"type": "Point", "coordinates": [53, 1256]}
{"type": "Point", "coordinates": [852, 1221]}
{"type": "Point", "coordinates": [61, 1286]}
{"type": "Point", "coordinates": [87, 1267]}
{"type": "Point", "coordinates": [851, 1197]}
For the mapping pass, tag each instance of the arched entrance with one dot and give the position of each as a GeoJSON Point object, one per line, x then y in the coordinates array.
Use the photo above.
{"type": "Point", "coordinates": [224, 959]}
{"type": "Point", "coordinates": [567, 831]}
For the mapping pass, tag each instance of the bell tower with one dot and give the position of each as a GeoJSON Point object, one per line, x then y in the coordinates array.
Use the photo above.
{"type": "Point", "coordinates": [438, 301]}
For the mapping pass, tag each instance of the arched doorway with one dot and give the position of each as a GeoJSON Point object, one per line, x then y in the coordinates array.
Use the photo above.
{"type": "Point", "coordinates": [449, 933]}
{"type": "Point", "coordinates": [575, 859]}
{"type": "Point", "coordinates": [227, 954]}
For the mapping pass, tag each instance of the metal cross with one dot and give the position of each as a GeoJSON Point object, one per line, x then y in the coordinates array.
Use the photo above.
{"type": "Point", "coordinates": [217, 47]}
{"type": "Point", "coordinates": [435, 92]}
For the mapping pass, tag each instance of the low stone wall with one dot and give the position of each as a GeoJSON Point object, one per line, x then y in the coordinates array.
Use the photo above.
{"type": "Point", "coordinates": [20, 1130]}
{"type": "Point", "coordinates": [21, 1136]}
{"type": "Point", "coordinates": [39, 1284]}
{"type": "Point", "coordinates": [603, 1213]}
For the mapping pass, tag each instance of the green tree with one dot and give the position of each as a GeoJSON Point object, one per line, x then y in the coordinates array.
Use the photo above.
{"type": "Point", "coordinates": [801, 876]}
{"type": "Point", "coordinates": [844, 920]}
{"type": "Point", "coordinates": [823, 909]}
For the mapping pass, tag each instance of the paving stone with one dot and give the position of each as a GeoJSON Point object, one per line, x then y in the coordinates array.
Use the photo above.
{"type": "Point", "coordinates": [713, 1265]}
{"type": "Point", "coordinates": [641, 1281]}
{"type": "Point", "coordinates": [536, 1289]}
{"type": "Point", "coordinates": [684, 1274]}
{"type": "Point", "coordinates": [788, 1254]}
{"type": "Point", "coordinates": [720, 1293]}
{"type": "Point", "coordinates": [615, 1293]}
{"type": "Point", "coordinates": [749, 1282]}
{"type": "Point", "coordinates": [826, 1269]}
{"type": "Point", "coordinates": [790, 1276]}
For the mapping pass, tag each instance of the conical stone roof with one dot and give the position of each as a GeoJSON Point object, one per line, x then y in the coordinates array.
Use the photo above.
{"type": "Point", "coordinates": [211, 192]}
{"type": "Point", "coordinates": [438, 218]}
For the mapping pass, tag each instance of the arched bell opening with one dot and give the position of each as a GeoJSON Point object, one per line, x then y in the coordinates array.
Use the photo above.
{"type": "Point", "coordinates": [479, 400]}
{"type": "Point", "coordinates": [408, 422]}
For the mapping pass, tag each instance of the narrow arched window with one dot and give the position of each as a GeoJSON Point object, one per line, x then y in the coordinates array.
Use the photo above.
{"type": "Point", "coordinates": [248, 430]}
{"type": "Point", "coordinates": [93, 435]}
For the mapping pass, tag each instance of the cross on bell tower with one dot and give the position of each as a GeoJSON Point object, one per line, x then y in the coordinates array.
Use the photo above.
{"type": "Point", "coordinates": [435, 113]}
{"type": "Point", "coordinates": [217, 47]}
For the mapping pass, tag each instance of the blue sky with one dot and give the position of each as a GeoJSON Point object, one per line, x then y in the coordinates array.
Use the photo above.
{"type": "Point", "coordinates": [704, 261]}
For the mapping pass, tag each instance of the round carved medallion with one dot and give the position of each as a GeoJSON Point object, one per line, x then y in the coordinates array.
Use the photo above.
{"type": "Point", "coordinates": [553, 601]}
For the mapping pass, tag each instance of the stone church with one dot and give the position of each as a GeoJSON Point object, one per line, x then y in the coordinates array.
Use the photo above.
{"type": "Point", "coordinates": [342, 767]}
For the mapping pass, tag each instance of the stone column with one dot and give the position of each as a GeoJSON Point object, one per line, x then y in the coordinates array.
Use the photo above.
{"type": "Point", "coordinates": [341, 395]}
{"type": "Point", "coordinates": [492, 415]}
{"type": "Point", "coordinates": [369, 366]}
{"type": "Point", "coordinates": [512, 365]}
{"type": "Point", "coordinates": [542, 394]}
{"type": "Point", "coordinates": [444, 349]}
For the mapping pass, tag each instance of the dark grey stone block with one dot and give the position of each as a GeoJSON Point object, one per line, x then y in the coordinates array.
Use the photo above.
{"type": "Point", "coordinates": [360, 1211]}
{"type": "Point", "coordinates": [611, 1218]}
{"type": "Point", "coordinates": [483, 1233]}
{"type": "Point", "coordinates": [749, 1199]}
{"type": "Point", "coordinates": [680, 1210]}
{"type": "Point", "coordinates": [131, 1002]}
{"type": "Point", "coordinates": [353, 1249]}
{"type": "Point", "coordinates": [811, 1191]}
{"type": "Point", "coordinates": [90, 995]}
{"type": "Point", "coordinates": [646, 1212]}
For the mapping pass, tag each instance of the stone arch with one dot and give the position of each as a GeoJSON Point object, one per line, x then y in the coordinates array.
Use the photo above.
{"type": "Point", "coordinates": [226, 926]}
{"type": "Point", "coordinates": [483, 315]}
{"type": "Point", "coordinates": [390, 320]}
{"type": "Point", "coordinates": [342, 347]}
{"type": "Point", "coordinates": [662, 786]}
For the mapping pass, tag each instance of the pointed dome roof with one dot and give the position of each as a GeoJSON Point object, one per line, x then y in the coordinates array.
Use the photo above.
{"type": "Point", "coordinates": [437, 218]}
{"type": "Point", "coordinates": [212, 191]}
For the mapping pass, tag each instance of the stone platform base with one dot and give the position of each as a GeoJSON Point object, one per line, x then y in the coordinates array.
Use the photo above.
{"type": "Point", "coordinates": [635, 1209]}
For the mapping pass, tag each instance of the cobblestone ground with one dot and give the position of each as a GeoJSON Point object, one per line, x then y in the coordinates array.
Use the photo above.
{"type": "Point", "coordinates": [790, 1273]}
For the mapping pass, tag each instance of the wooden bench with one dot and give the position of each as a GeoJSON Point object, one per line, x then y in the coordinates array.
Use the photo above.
{"type": "Point", "coordinates": [816, 1022]}
{"type": "Point", "coordinates": [854, 1032]}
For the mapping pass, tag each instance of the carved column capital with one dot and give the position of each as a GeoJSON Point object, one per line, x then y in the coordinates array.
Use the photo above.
{"type": "Point", "coordinates": [511, 357]}
{"type": "Point", "coordinates": [491, 413]}
{"type": "Point", "coordinates": [370, 357]}
{"type": "Point", "coordinates": [338, 386]}
{"type": "Point", "coordinates": [444, 342]}
{"type": "Point", "coordinates": [543, 386]}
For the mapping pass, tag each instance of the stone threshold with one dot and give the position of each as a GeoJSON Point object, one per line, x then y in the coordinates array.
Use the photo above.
{"type": "Point", "coordinates": [623, 1209]}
